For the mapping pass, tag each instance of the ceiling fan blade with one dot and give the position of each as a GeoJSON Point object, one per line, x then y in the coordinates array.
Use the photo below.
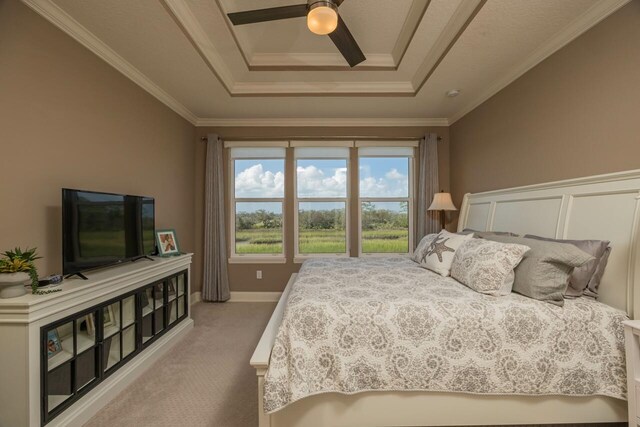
{"type": "Point", "coordinates": [271, 14]}
{"type": "Point", "coordinates": [346, 44]}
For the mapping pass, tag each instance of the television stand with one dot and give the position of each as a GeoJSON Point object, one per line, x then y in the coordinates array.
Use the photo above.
{"type": "Point", "coordinates": [143, 257]}
{"type": "Point", "coordinates": [80, 275]}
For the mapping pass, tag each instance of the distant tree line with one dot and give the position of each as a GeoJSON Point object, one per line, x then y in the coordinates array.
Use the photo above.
{"type": "Point", "coordinates": [333, 219]}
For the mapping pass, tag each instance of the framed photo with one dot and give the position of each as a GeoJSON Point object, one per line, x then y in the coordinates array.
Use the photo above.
{"type": "Point", "coordinates": [108, 317]}
{"type": "Point", "coordinates": [167, 242]}
{"type": "Point", "coordinates": [54, 346]}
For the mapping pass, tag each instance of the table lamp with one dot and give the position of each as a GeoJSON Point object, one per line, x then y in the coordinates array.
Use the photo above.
{"type": "Point", "coordinates": [442, 202]}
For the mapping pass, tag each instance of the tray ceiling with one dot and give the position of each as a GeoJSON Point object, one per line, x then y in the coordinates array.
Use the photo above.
{"type": "Point", "coordinates": [188, 55]}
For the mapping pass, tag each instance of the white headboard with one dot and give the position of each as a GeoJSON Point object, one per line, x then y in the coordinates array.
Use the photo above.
{"type": "Point", "coordinates": [603, 207]}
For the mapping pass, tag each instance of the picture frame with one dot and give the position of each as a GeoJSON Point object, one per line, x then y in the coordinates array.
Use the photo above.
{"type": "Point", "coordinates": [171, 286]}
{"type": "Point", "coordinates": [108, 317]}
{"type": "Point", "coordinates": [167, 242]}
{"type": "Point", "coordinates": [158, 290]}
{"type": "Point", "coordinates": [54, 345]}
{"type": "Point", "coordinates": [91, 327]}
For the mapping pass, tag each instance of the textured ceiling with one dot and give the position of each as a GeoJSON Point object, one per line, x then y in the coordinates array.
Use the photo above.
{"type": "Point", "coordinates": [188, 55]}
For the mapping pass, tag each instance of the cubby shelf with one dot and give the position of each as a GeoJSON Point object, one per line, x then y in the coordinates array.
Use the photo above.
{"type": "Point", "coordinates": [120, 328]}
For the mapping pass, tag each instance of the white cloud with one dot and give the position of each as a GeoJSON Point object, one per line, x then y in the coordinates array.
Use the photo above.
{"type": "Point", "coordinates": [313, 182]}
{"type": "Point", "coordinates": [394, 184]}
{"type": "Point", "coordinates": [256, 182]}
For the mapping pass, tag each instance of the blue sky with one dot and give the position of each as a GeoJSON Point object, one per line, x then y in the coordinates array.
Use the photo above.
{"type": "Point", "coordinates": [379, 177]}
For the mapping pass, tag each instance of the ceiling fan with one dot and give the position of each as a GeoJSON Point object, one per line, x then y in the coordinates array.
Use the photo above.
{"type": "Point", "coordinates": [322, 19]}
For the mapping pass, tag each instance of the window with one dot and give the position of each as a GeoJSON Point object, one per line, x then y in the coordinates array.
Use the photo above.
{"type": "Point", "coordinates": [321, 201]}
{"type": "Point", "coordinates": [386, 202]}
{"type": "Point", "coordinates": [257, 202]}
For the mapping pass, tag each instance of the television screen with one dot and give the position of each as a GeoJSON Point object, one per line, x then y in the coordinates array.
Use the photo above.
{"type": "Point", "coordinates": [101, 229]}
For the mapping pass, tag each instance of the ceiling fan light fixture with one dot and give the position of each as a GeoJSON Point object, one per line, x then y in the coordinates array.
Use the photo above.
{"type": "Point", "coordinates": [322, 18]}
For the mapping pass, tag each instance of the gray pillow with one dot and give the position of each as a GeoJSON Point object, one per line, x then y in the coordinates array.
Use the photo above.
{"type": "Point", "coordinates": [580, 277]}
{"type": "Point", "coordinates": [419, 254]}
{"type": "Point", "coordinates": [544, 271]}
{"type": "Point", "coordinates": [594, 283]}
{"type": "Point", "coordinates": [483, 234]}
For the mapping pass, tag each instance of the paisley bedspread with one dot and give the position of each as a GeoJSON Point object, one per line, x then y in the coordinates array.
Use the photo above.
{"type": "Point", "coordinates": [353, 325]}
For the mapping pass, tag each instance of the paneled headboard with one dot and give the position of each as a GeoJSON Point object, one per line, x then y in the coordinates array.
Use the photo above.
{"type": "Point", "coordinates": [604, 207]}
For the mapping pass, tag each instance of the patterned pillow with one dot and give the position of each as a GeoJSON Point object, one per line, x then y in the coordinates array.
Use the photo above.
{"type": "Point", "coordinates": [486, 266]}
{"type": "Point", "coordinates": [439, 254]}
{"type": "Point", "coordinates": [420, 253]}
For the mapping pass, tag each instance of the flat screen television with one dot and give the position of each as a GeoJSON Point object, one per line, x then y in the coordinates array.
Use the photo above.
{"type": "Point", "coordinates": [102, 229]}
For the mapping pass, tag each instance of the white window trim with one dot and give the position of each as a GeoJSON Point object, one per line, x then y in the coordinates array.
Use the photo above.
{"type": "Point", "coordinates": [235, 258]}
{"type": "Point", "coordinates": [300, 257]}
{"type": "Point", "coordinates": [410, 204]}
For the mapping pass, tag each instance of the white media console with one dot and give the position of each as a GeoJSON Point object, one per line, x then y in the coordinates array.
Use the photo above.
{"type": "Point", "coordinates": [65, 355]}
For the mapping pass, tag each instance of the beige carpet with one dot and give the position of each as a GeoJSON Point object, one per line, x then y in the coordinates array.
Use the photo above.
{"type": "Point", "coordinates": [205, 380]}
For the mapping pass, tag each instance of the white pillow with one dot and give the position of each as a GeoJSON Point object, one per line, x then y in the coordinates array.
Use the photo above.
{"type": "Point", "coordinates": [487, 266]}
{"type": "Point", "coordinates": [420, 253]}
{"type": "Point", "coordinates": [439, 255]}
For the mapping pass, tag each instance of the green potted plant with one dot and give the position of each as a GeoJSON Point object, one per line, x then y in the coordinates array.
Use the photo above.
{"type": "Point", "coordinates": [17, 269]}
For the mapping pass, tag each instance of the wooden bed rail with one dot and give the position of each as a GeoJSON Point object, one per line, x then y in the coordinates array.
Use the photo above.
{"type": "Point", "coordinates": [262, 353]}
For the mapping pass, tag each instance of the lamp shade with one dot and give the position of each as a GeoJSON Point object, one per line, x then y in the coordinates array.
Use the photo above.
{"type": "Point", "coordinates": [442, 202]}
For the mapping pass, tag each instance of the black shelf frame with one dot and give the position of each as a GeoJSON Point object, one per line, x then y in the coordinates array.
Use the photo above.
{"type": "Point", "coordinates": [100, 362]}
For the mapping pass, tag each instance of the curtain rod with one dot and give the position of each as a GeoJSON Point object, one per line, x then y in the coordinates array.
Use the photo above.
{"type": "Point", "coordinates": [321, 138]}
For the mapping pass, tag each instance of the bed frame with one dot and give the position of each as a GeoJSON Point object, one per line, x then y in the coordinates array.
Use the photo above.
{"type": "Point", "coordinates": [605, 207]}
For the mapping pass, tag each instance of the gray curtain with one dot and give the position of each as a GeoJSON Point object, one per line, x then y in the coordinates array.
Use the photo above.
{"type": "Point", "coordinates": [215, 286]}
{"type": "Point", "coordinates": [427, 221]}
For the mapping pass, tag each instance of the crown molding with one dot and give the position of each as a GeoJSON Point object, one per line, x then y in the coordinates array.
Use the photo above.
{"type": "Point", "coordinates": [584, 22]}
{"type": "Point", "coordinates": [323, 89]}
{"type": "Point", "coordinates": [317, 61]}
{"type": "Point", "coordinates": [58, 17]}
{"type": "Point", "coordinates": [322, 122]}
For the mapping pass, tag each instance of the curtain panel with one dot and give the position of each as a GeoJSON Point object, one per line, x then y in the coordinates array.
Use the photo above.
{"type": "Point", "coordinates": [215, 284]}
{"type": "Point", "coordinates": [428, 185]}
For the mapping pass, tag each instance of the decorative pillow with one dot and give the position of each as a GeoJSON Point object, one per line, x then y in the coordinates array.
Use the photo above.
{"type": "Point", "coordinates": [544, 271]}
{"type": "Point", "coordinates": [581, 276]}
{"type": "Point", "coordinates": [594, 283]}
{"type": "Point", "coordinates": [486, 266]}
{"type": "Point", "coordinates": [439, 254]}
{"type": "Point", "coordinates": [420, 253]}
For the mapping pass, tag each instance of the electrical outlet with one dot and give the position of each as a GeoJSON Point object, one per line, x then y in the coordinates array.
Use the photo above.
{"type": "Point", "coordinates": [258, 274]}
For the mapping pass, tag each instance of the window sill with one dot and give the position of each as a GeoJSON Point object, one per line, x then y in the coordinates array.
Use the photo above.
{"type": "Point", "coordinates": [302, 258]}
{"type": "Point", "coordinates": [257, 260]}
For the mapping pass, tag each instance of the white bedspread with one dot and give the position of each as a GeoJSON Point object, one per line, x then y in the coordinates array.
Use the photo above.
{"type": "Point", "coordinates": [354, 325]}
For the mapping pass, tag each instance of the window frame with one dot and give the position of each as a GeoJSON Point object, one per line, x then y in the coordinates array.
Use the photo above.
{"type": "Point", "coordinates": [410, 206]}
{"type": "Point", "coordinates": [300, 257]}
{"type": "Point", "coordinates": [236, 258]}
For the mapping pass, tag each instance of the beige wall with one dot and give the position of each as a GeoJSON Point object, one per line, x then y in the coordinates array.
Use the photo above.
{"type": "Point", "coordinates": [67, 119]}
{"type": "Point", "coordinates": [275, 276]}
{"type": "Point", "coordinates": [576, 114]}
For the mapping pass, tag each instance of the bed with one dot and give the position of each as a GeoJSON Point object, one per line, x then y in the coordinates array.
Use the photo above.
{"type": "Point", "coordinates": [503, 360]}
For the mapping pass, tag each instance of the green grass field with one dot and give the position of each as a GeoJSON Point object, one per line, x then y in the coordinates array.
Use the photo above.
{"type": "Point", "coordinates": [264, 241]}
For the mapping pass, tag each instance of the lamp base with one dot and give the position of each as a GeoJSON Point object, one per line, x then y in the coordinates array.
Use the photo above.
{"type": "Point", "coordinates": [442, 220]}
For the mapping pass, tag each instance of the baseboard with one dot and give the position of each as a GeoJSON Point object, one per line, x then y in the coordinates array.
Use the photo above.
{"type": "Point", "coordinates": [255, 296]}
{"type": "Point", "coordinates": [244, 297]}
{"type": "Point", "coordinates": [79, 413]}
